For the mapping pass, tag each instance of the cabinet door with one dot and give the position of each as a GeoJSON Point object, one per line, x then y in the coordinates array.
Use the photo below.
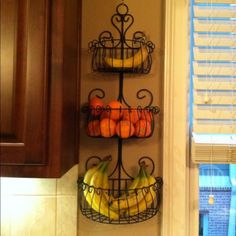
{"type": "Point", "coordinates": [37, 86]}
{"type": "Point", "coordinates": [24, 81]}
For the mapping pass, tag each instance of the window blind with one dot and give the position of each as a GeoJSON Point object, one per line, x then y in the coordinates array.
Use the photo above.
{"type": "Point", "coordinates": [213, 72]}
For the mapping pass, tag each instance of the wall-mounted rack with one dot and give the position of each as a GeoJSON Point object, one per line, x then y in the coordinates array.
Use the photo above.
{"type": "Point", "coordinates": [121, 55]}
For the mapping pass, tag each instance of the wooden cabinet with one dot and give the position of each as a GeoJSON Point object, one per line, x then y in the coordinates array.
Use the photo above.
{"type": "Point", "coordinates": [39, 99]}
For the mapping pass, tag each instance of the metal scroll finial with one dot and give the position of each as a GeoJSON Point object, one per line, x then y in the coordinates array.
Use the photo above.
{"type": "Point", "coordinates": [122, 9]}
{"type": "Point", "coordinates": [122, 45]}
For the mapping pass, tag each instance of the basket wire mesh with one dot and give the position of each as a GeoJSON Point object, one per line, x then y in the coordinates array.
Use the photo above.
{"type": "Point", "coordinates": [140, 211]}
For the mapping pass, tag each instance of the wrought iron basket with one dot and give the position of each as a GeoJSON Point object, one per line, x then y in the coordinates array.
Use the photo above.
{"type": "Point", "coordinates": [130, 122]}
{"type": "Point", "coordinates": [120, 120]}
{"type": "Point", "coordinates": [122, 54]}
{"type": "Point", "coordinates": [138, 212]}
{"type": "Point", "coordinates": [134, 56]}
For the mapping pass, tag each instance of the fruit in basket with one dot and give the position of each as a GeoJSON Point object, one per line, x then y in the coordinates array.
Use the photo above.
{"type": "Point", "coordinates": [146, 115]}
{"type": "Point", "coordinates": [142, 128]}
{"type": "Point", "coordinates": [131, 62]}
{"type": "Point", "coordinates": [96, 191]}
{"type": "Point", "coordinates": [136, 193]}
{"type": "Point", "coordinates": [99, 196]}
{"type": "Point", "coordinates": [132, 115]}
{"type": "Point", "coordinates": [87, 178]}
{"type": "Point", "coordinates": [96, 105]}
{"type": "Point", "coordinates": [124, 129]}
{"type": "Point", "coordinates": [104, 114]}
{"type": "Point", "coordinates": [93, 128]}
{"type": "Point", "coordinates": [140, 195]}
{"type": "Point", "coordinates": [148, 198]}
{"type": "Point", "coordinates": [114, 110]}
{"type": "Point", "coordinates": [151, 195]}
{"type": "Point", "coordinates": [107, 127]}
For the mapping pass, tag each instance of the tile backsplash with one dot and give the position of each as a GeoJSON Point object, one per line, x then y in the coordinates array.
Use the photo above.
{"type": "Point", "coordinates": [35, 207]}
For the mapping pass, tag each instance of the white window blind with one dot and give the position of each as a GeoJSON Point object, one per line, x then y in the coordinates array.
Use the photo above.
{"type": "Point", "coordinates": [213, 73]}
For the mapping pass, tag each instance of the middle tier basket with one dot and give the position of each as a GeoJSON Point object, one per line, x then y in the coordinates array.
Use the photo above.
{"type": "Point", "coordinates": [123, 122]}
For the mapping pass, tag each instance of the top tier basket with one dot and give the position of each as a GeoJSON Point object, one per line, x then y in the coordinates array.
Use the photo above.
{"type": "Point", "coordinates": [110, 54]}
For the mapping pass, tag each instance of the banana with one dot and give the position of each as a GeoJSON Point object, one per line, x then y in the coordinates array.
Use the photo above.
{"type": "Point", "coordinates": [88, 175]}
{"type": "Point", "coordinates": [130, 62]}
{"type": "Point", "coordinates": [151, 195]}
{"type": "Point", "coordinates": [87, 178]}
{"type": "Point", "coordinates": [105, 187]}
{"type": "Point", "coordinates": [116, 201]}
{"type": "Point", "coordinates": [134, 185]}
{"type": "Point", "coordinates": [98, 196]}
{"type": "Point", "coordinates": [147, 200]}
{"type": "Point", "coordinates": [137, 195]}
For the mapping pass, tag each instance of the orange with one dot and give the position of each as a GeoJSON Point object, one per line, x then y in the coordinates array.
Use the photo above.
{"type": "Point", "coordinates": [142, 128]}
{"type": "Point", "coordinates": [96, 105]}
{"type": "Point", "coordinates": [93, 128]}
{"type": "Point", "coordinates": [104, 114]}
{"type": "Point", "coordinates": [115, 110]}
{"type": "Point", "coordinates": [124, 129]}
{"type": "Point", "coordinates": [146, 115]}
{"type": "Point", "coordinates": [132, 115]}
{"type": "Point", "coordinates": [107, 127]}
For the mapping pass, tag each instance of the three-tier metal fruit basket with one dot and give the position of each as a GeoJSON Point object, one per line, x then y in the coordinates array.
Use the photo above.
{"type": "Point", "coordinates": [121, 55]}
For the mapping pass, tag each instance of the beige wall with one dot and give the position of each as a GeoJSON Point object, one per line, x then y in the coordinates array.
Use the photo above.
{"type": "Point", "coordinates": [36, 207]}
{"type": "Point", "coordinates": [148, 17]}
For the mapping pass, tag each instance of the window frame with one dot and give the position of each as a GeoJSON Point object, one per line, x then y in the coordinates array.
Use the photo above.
{"type": "Point", "coordinates": [180, 175]}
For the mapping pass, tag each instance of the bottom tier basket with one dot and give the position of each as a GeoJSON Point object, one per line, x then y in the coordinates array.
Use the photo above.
{"type": "Point", "coordinates": [103, 206]}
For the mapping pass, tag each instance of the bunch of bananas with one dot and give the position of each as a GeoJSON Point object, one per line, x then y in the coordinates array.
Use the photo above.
{"type": "Point", "coordinates": [130, 62]}
{"type": "Point", "coordinates": [96, 191]}
{"type": "Point", "coordinates": [139, 196]}
{"type": "Point", "coordinates": [136, 199]}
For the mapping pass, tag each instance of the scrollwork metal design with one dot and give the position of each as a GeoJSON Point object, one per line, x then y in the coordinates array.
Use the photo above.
{"type": "Point", "coordinates": [122, 47]}
{"type": "Point", "coordinates": [96, 92]}
{"type": "Point", "coordinates": [148, 162]}
{"type": "Point", "coordinates": [94, 160]}
{"type": "Point", "coordinates": [122, 21]}
{"type": "Point", "coordinates": [143, 93]}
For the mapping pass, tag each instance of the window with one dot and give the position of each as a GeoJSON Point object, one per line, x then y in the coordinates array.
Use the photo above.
{"type": "Point", "coordinates": [216, 197]}
{"type": "Point", "coordinates": [213, 112]}
{"type": "Point", "coordinates": [213, 74]}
